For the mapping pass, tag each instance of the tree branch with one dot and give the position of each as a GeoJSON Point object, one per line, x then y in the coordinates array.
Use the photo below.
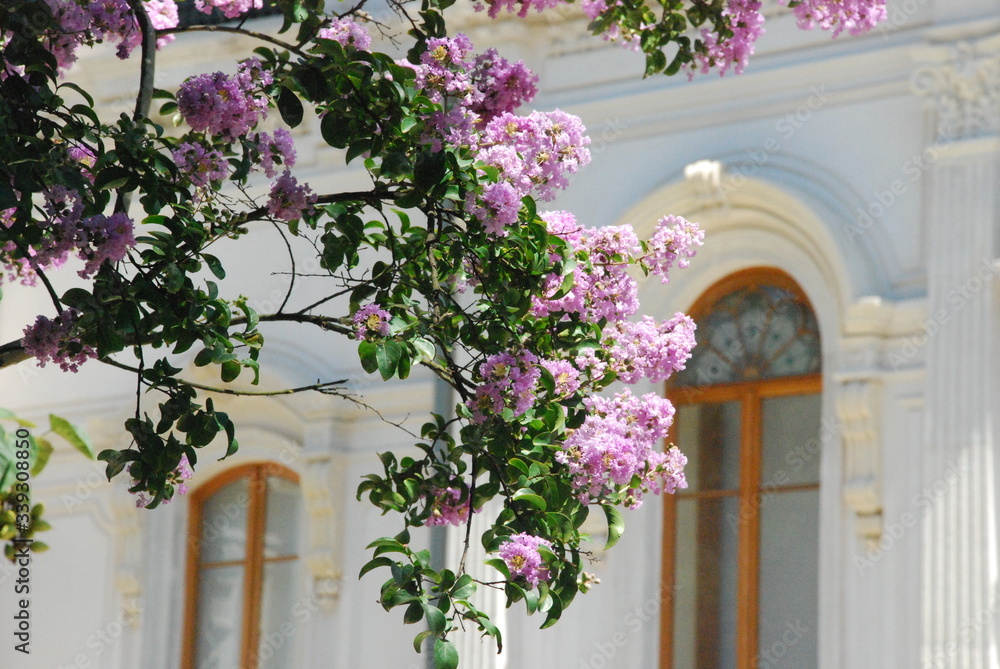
{"type": "Point", "coordinates": [264, 37]}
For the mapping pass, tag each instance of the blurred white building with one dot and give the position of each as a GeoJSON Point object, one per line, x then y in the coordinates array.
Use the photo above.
{"type": "Point", "coordinates": [840, 415]}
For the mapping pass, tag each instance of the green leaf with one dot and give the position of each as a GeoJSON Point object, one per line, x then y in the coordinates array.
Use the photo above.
{"type": "Point", "coordinates": [387, 354]}
{"type": "Point", "coordinates": [77, 438]}
{"type": "Point", "coordinates": [366, 351]}
{"type": "Point", "coordinates": [445, 654]}
{"type": "Point", "coordinates": [435, 618]}
{"type": "Point", "coordinates": [616, 525]}
{"type": "Point", "coordinates": [374, 564]}
{"type": "Point", "coordinates": [44, 452]}
{"type": "Point", "coordinates": [419, 639]}
{"type": "Point", "coordinates": [414, 613]}
{"type": "Point", "coordinates": [528, 495]}
{"type": "Point", "coordinates": [425, 348]}
{"type": "Point", "coordinates": [230, 370]}
{"type": "Point", "coordinates": [290, 107]}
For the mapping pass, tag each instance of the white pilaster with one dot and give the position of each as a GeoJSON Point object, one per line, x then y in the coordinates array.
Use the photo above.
{"type": "Point", "coordinates": [960, 553]}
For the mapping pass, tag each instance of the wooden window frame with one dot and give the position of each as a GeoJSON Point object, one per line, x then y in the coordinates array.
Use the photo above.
{"type": "Point", "coordinates": [751, 396]}
{"type": "Point", "coordinates": [253, 560]}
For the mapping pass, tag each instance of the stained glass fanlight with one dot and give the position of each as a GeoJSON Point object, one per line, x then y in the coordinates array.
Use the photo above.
{"type": "Point", "coordinates": [757, 331]}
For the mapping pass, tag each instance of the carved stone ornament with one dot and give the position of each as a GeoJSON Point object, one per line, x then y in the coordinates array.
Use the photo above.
{"type": "Point", "coordinates": [706, 178]}
{"type": "Point", "coordinates": [856, 411]}
{"type": "Point", "coordinates": [965, 92]}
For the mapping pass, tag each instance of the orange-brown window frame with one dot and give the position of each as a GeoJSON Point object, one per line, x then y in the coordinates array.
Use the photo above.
{"type": "Point", "coordinates": [257, 474]}
{"type": "Point", "coordinates": [750, 395]}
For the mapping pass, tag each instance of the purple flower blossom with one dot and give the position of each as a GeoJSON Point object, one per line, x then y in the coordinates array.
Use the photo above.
{"type": "Point", "coordinates": [520, 6]}
{"type": "Point", "coordinates": [508, 383]}
{"type": "Point", "coordinates": [223, 105]}
{"type": "Point", "coordinates": [522, 558]}
{"type": "Point", "coordinates": [277, 150]}
{"type": "Point", "coordinates": [616, 444]}
{"type": "Point", "coordinates": [290, 200]}
{"type": "Point", "coordinates": [371, 321]}
{"type": "Point", "coordinates": [648, 350]}
{"type": "Point", "coordinates": [109, 239]}
{"type": "Point", "coordinates": [503, 86]}
{"type": "Point", "coordinates": [448, 507]}
{"type": "Point", "coordinates": [855, 16]}
{"type": "Point", "coordinates": [199, 165]}
{"type": "Point", "coordinates": [673, 242]}
{"type": "Point", "coordinates": [51, 340]}
{"type": "Point", "coordinates": [602, 287]}
{"type": "Point", "coordinates": [347, 32]}
{"type": "Point", "coordinates": [231, 9]}
{"type": "Point", "coordinates": [747, 24]}
{"type": "Point", "coordinates": [566, 376]}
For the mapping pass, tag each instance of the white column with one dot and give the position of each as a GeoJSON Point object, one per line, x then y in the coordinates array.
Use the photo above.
{"type": "Point", "coordinates": [474, 652]}
{"type": "Point", "coordinates": [959, 589]}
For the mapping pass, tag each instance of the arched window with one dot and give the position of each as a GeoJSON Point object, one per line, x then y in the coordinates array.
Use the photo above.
{"type": "Point", "coordinates": [740, 556]}
{"type": "Point", "coordinates": [242, 569]}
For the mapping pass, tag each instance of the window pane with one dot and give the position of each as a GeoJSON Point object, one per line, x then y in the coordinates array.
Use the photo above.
{"type": "Point", "coordinates": [790, 440]}
{"type": "Point", "coordinates": [705, 574]}
{"type": "Point", "coordinates": [224, 523]}
{"type": "Point", "coordinates": [277, 626]}
{"type": "Point", "coordinates": [709, 435]}
{"type": "Point", "coordinates": [220, 617]}
{"type": "Point", "coordinates": [789, 568]}
{"type": "Point", "coordinates": [753, 333]}
{"type": "Point", "coordinates": [282, 526]}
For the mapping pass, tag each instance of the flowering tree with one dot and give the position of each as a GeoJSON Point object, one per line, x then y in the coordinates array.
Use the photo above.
{"type": "Point", "coordinates": [445, 261]}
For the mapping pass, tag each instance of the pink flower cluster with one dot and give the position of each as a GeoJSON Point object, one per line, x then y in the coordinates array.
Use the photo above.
{"type": "Point", "coordinates": [199, 165]}
{"type": "Point", "coordinates": [520, 6]}
{"type": "Point", "coordinates": [231, 9]}
{"type": "Point", "coordinates": [533, 153]}
{"type": "Point", "coordinates": [522, 558]}
{"type": "Point", "coordinates": [347, 32]}
{"type": "Point", "coordinates": [289, 200]}
{"type": "Point", "coordinates": [226, 106]}
{"type": "Point", "coordinates": [565, 375]}
{"type": "Point", "coordinates": [616, 446]}
{"type": "Point", "coordinates": [673, 242]}
{"type": "Point", "coordinates": [51, 340]}
{"type": "Point", "coordinates": [855, 16]}
{"type": "Point", "coordinates": [747, 24]}
{"type": "Point", "coordinates": [104, 21]}
{"type": "Point", "coordinates": [95, 239]}
{"type": "Point", "coordinates": [602, 286]}
{"type": "Point", "coordinates": [108, 239]}
{"type": "Point", "coordinates": [504, 86]}
{"type": "Point", "coordinates": [448, 507]}
{"type": "Point", "coordinates": [276, 150]}
{"type": "Point", "coordinates": [470, 90]}
{"type": "Point", "coordinates": [371, 321]}
{"type": "Point", "coordinates": [508, 383]}
{"type": "Point", "coordinates": [647, 349]}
